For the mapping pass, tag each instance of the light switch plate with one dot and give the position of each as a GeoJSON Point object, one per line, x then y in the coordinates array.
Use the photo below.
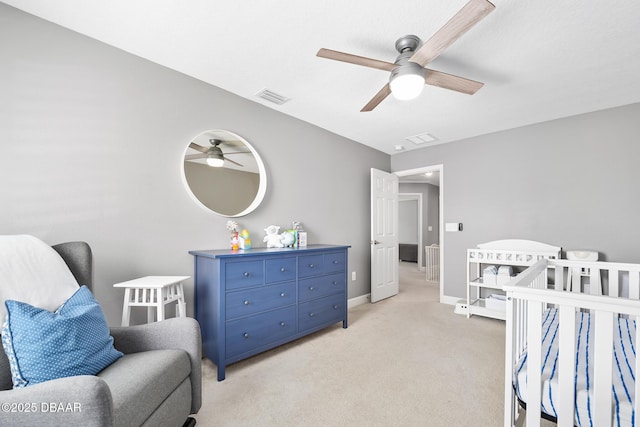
{"type": "Point", "coordinates": [453, 226]}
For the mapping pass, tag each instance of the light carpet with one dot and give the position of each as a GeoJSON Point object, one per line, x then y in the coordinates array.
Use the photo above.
{"type": "Point", "coordinates": [404, 361]}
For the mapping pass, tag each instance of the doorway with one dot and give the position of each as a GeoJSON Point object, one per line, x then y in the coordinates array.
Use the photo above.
{"type": "Point", "coordinates": [433, 175]}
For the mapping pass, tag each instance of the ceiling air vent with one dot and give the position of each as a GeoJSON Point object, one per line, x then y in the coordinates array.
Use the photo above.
{"type": "Point", "coordinates": [270, 96]}
{"type": "Point", "coordinates": [421, 139]}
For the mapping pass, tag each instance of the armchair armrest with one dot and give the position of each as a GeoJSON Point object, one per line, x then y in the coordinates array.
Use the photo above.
{"type": "Point", "coordinates": [181, 333]}
{"type": "Point", "coordinates": [73, 401]}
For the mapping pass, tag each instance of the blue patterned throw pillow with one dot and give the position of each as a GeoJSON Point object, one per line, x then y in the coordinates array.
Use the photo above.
{"type": "Point", "coordinates": [42, 345]}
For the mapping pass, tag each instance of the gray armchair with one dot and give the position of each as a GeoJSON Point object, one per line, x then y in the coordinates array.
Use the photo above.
{"type": "Point", "coordinates": [156, 383]}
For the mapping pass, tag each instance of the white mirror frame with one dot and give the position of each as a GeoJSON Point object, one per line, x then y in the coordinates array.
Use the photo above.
{"type": "Point", "coordinates": [262, 186]}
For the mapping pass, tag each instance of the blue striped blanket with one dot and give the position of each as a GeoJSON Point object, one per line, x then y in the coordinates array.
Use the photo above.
{"type": "Point", "coordinates": [624, 356]}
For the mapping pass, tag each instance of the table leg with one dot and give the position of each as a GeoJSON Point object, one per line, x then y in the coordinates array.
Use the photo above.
{"type": "Point", "coordinates": [126, 308]}
{"type": "Point", "coordinates": [182, 305]}
{"type": "Point", "coordinates": [160, 294]}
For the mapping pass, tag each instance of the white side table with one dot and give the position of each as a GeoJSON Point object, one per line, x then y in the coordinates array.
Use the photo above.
{"type": "Point", "coordinates": [153, 292]}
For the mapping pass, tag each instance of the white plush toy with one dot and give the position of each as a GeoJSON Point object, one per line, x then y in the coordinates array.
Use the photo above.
{"type": "Point", "coordinates": [288, 239]}
{"type": "Point", "coordinates": [273, 238]}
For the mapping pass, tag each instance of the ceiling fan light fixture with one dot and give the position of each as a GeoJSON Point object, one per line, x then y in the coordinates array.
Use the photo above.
{"type": "Point", "coordinates": [215, 160]}
{"type": "Point", "coordinates": [407, 81]}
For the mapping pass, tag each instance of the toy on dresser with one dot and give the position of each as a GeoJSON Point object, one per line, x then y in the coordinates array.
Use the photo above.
{"type": "Point", "coordinates": [288, 239]}
{"type": "Point", "coordinates": [273, 239]}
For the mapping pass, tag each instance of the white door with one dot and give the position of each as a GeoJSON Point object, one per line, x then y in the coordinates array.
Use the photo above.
{"type": "Point", "coordinates": [384, 235]}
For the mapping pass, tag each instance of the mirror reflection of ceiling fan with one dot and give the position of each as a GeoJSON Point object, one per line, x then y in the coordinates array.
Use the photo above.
{"type": "Point", "coordinates": [408, 75]}
{"type": "Point", "coordinates": [214, 156]}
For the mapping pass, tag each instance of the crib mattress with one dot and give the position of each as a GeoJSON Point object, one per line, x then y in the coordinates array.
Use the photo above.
{"type": "Point", "coordinates": [624, 354]}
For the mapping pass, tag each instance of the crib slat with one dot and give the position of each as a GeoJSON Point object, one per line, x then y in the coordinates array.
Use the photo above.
{"type": "Point", "coordinates": [534, 363]}
{"type": "Point", "coordinates": [603, 356]}
{"type": "Point", "coordinates": [559, 278]}
{"type": "Point", "coordinates": [522, 330]}
{"type": "Point", "coordinates": [575, 280]}
{"type": "Point", "coordinates": [595, 287]}
{"type": "Point", "coordinates": [634, 285]}
{"type": "Point", "coordinates": [566, 367]}
{"type": "Point", "coordinates": [614, 289]}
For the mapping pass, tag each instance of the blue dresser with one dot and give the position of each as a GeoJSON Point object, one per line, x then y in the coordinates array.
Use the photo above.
{"type": "Point", "coordinates": [250, 301]}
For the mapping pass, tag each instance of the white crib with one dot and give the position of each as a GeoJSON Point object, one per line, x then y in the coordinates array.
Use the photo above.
{"type": "Point", "coordinates": [591, 333]}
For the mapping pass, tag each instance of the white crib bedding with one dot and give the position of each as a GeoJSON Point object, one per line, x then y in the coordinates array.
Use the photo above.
{"type": "Point", "coordinates": [624, 355]}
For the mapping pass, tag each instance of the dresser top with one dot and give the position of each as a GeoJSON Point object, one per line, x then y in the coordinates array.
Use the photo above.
{"type": "Point", "coordinates": [228, 253]}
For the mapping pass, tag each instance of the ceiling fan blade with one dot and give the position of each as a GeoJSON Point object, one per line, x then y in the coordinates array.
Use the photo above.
{"type": "Point", "coordinates": [355, 59]}
{"type": "Point", "coordinates": [198, 147]}
{"type": "Point", "coordinates": [195, 156]}
{"type": "Point", "coordinates": [235, 163]}
{"type": "Point", "coordinates": [378, 98]}
{"type": "Point", "coordinates": [459, 24]}
{"type": "Point", "coordinates": [449, 81]}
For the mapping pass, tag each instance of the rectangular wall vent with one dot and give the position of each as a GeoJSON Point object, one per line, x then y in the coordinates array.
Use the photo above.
{"type": "Point", "coordinates": [421, 139]}
{"type": "Point", "coordinates": [270, 96]}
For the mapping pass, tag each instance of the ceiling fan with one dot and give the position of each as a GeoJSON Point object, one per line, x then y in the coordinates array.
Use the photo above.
{"type": "Point", "coordinates": [408, 75]}
{"type": "Point", "coordinates": [213, 155]}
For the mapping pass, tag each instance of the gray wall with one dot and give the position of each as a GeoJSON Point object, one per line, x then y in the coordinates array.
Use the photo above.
{"type": "Point", "coordinates": [572, 182]}
{"type": "Point", "coordinates": [408, 221]}
{"type": "Point", "coordinates": [91, 140]}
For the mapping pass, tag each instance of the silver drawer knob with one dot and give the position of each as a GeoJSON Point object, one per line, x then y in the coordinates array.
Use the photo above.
{"type": "Point", "coordinates": [246, 335]}
{"type": "Point", "coordinates": [246, 274]}
{"type": "Point", "coordinates": [246, 302]}
{"type": "Point", "coordinates": [282, 294]}
{"type": "Point", "coordinates": [310, 265]}
{"type": "Point", "coordinates": [283, 269]}
{"type": "Point", "coordinates": [335, 306]}
{"type": "Point", "coordinates": [311, 288]}
{"type": "Point", "coordinates": [335, 262]}
{"type": "Point", "coordinates": [335, 283]}
{"type": "Point", "coordinates": [282, 324]}
{"type": "Point", "coordinates": [310, 314]}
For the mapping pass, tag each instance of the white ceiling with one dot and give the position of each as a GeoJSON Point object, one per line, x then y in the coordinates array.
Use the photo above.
{"type": "Point", "coordinates": [540, 60]}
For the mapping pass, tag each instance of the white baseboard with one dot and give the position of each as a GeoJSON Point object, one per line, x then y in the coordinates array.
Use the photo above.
{"type": "Point", "coordinates": [366, 298]}
{"type": "Point", "coordinates": [362, 299]}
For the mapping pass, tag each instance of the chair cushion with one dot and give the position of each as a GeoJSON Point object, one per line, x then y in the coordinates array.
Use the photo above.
{"type": "Point", "coordinates": [140, 382]}
{"type": "Point", "coordinates": [33, 272]}
{"type": "Point", "coordinates": [42, 345]}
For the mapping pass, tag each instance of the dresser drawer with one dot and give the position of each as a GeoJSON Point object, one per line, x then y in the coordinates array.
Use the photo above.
{"type": "Point", "coordinates": [315, 287]}
{"type": "Point", "coordinates": [334, 262]}
{"type": "Point", "coordinates": [310, 265]}
{"type": "Point", "coordinates": [246, 334]}
{"type": "Point", "coordinates": [244, 273]}
{"type": "Point", "coordinates": [321, 311]}
{"type": "Point", "coordinates": [280, 270]}
{"type": "Point", "coordinates": [249, 301]}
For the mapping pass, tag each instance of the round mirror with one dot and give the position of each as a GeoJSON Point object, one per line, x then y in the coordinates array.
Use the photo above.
{"type": "Point", "coordinates": [223, 173]}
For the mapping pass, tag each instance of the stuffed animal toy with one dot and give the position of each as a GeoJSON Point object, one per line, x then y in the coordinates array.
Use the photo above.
{"type": "Point", "coordinates": [272, 238]}
{"type": "Point", "coordinates": [288, 239]}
